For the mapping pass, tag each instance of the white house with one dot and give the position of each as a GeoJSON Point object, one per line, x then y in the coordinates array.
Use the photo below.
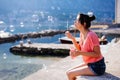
{"type": "Point", "coordinates": [117, 11]}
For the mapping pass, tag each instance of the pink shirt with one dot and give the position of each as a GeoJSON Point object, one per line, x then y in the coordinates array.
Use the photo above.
{"type": "Point", "coordinates": [88, 45]}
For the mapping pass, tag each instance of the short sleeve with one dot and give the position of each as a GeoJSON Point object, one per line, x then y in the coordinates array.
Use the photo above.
{"type": "Point", "coordinates": [94, 41]}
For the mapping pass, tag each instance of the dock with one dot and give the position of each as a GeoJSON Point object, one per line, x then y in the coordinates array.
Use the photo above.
{"type": "Point", "coordinates": [40, 49]}
{"type": "Point", "coordinates": [43, 49]}
{"type": "Point", "coordinates": [66, 40]}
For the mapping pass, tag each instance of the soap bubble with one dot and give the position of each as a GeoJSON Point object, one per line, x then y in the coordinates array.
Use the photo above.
{"type": "Point", "coordinates": [44, 67]}
{"type": "Point", "coordinates": [35, 18]}
{"type": "Point", "coordinates": [2, 26]}
{"type": "Point", "coordinates": [21, 24]}
{"type": "Point", "coordinates": [90, 14]}
{"type": "Point", "coordinates": [4, 56]}
{"type": "Point", "coordinates": [42, 15]}
{"type": "Point", "coordinates": [52, 7]}
{"type": "Point", "coordinates": [29, 61]}
{"type": "Point", "coordinates": [12, 28]}
{"type": "Point", "coordinates": [50, 18]}
{"type": "Point", "coordinates": [58, 8]}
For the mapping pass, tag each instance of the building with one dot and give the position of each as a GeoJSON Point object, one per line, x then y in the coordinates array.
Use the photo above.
{"type": "Point", "coordinates": [117, 11]}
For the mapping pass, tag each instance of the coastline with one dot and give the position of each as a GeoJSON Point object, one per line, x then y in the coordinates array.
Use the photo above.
{"type": "Point", "coordinates": [98, 28]}
{"type": "Point", "coordinates": [110, 52]}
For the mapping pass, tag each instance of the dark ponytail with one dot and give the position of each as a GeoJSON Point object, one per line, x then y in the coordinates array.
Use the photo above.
{"type": "Point", "coordinates": [91, 18]}
{"type": "Point", "coordinates": [83, 18]}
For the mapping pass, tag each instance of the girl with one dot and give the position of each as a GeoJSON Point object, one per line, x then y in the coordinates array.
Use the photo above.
{"type": "Point", "coordinates": [88, 47]}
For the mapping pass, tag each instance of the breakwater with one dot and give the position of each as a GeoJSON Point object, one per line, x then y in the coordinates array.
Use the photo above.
{"type": "Point", "coordinates": [15, 37]}
{"type": "Point", "coordinates": [40, 49]}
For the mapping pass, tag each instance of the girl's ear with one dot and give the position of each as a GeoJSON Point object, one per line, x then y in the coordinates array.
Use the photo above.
{"type": "Point", "coordinates": [84, 24]}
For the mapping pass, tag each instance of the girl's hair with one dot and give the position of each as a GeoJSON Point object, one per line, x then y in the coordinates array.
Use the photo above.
{"type": "Point", "coordinates": [83, 18]}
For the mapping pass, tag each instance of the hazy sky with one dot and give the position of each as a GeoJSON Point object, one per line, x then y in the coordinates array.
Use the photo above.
{"type": "Point", "coordinates": [53, 4]}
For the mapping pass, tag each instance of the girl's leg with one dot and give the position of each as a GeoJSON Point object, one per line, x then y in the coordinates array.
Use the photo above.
{"type": "Point", "coordinates": [72, 74]}
{"type": "Point", "coordinates": [83, 64]}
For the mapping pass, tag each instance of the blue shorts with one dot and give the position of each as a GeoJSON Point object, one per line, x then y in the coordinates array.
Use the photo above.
{"type": "Point", "coordinates": [98, 67]}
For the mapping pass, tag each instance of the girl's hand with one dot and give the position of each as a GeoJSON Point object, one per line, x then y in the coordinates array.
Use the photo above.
{"type": "Point", "coordinates": [69, 35]}
{"type": "Point", "coordinates": [74, 53]}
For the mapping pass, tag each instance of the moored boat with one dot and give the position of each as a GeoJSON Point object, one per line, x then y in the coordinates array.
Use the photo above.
{"type": "Point", "coordinates": [65, 40]}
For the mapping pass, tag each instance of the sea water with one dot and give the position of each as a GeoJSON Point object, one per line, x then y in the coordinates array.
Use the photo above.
{"type": "Point", "coordinates": [14, 67]}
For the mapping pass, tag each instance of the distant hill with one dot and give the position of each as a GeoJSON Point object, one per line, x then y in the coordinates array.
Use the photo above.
{"type": "Point", "coordinates": [75, 5]}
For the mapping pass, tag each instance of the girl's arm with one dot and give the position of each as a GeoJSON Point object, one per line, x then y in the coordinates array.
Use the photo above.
{"type": "Point", "coordinates": [96, 52]}
{"type": "Point", "coordinates": [76, 45]}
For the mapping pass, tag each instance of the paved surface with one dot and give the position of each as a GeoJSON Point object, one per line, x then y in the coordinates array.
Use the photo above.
{"type": "Point", "coordinates": [47, 45]}
{"type": "Point", "coordinates": [57, 71]}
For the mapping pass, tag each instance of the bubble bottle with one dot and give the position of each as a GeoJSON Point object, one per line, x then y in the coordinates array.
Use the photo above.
{"type": "Point", "coordinates": [72, 50]}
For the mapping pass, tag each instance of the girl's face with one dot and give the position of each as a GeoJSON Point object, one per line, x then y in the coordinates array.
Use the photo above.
{"type": "Point", "coordinates": [77, 23]}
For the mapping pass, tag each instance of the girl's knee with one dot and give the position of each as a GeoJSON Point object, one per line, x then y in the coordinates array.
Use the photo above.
{"type": "Point", "coordinates": [69, 74]}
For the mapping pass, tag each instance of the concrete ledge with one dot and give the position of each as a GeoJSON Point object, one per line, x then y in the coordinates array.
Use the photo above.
{"type": "Point", "coordinates": [57, 71]}
{"type": "Point", "coordinates": [106, 76]}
